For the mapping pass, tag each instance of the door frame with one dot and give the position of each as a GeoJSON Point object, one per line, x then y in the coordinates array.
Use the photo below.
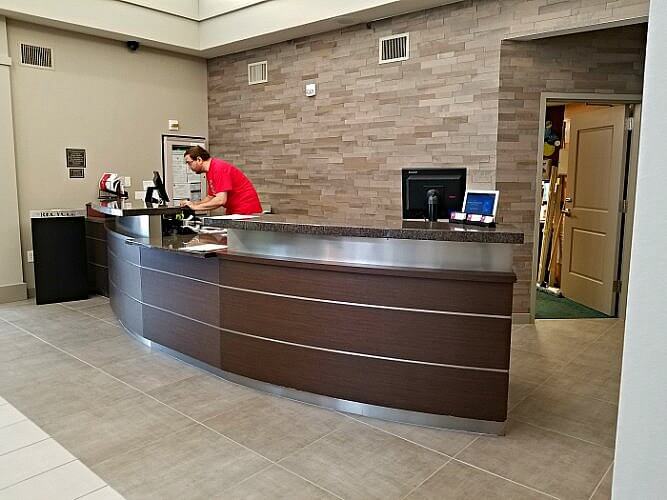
{"type": "Point", "coordinates": [635, 99]}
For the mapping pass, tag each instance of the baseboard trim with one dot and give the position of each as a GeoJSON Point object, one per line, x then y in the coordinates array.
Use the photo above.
{"type": "Point", "coordinates": [13, 293]}
{"type": "Point", "coordinates": [521, 318]}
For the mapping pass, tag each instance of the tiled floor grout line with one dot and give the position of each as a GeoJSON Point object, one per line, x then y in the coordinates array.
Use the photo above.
{"type": "Point", "coordinates": [426, 479]}
{"type": "Point", "coordinates": [455, 455]}
{"type": "Point", "coordinates": [309, 481]}
{"type": "Point", "coordinates": [406, 439]}
{"type": "Point", "coordinates": [449, 460]}
{"type": "Point", "coordinates": [39, 474]}
{"type": "Point", "coordinates": [166, 405]}
{"type": "Point", "coordinates": [565, 365]}
{"type": "Point", "coordinates": [564, 434]}
{"type": "Point", "coordinates": [14, 423]}
{"type": "Point", "coordinates": [562, 368]}
{"type": "Point", "coordinates": [597, 486]}
{"type": "Point", "coordinates": [505, 478]}
{"type": "Point", "coordinates": [94, 491]}
{"type": "Point", "coordinates": [27, 445]}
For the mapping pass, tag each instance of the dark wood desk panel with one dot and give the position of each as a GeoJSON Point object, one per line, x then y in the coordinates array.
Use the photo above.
{"type": "Point", "coordinates": [413, 335]}
{"type": "Point", "coordinates": [184, 335]}
{"type": "Point", "coordinates": [445, 391]}
{"type": "Point", "coordinates": [457, 291]}
{"type": "Point", "coordinates": [187, 297]}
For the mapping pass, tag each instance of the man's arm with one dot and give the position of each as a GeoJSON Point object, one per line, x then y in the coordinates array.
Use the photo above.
{"type": "Point", "coordinates": [210, 202]}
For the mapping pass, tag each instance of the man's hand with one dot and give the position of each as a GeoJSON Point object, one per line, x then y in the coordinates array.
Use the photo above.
{"type": "Point", "coordinates": [187, 203]}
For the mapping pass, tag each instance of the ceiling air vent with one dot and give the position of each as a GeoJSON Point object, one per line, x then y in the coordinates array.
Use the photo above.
{"type": "Point", "coordinates": [36, 57]}
{"type": "Point", "coordinates": [258, 73]}
{"type": "Point", "coordinates": [394, 48]}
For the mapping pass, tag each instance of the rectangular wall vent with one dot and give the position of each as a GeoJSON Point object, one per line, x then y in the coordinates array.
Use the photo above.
{"type": "Point", "coordinates": [36, 57]}
{"type": "Point", "coordinates": [258, 73]}
{"type": "Point", "coordinates": [394, 48]}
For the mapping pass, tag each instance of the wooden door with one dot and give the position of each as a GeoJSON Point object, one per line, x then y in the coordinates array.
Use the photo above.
{"type": "Point", "coordinates": [593, 208]}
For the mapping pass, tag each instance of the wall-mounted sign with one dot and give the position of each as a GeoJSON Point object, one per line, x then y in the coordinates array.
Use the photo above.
{"type": "Point", "coordinates": [76, 158]}
{"type": "Point", "coordinates": [57, 212]}
{"type": "Point", "coordinates": [77, 173]}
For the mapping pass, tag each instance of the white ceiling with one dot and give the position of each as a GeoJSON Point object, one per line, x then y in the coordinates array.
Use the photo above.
{"type": "Point", "coordinates": [207, 28]}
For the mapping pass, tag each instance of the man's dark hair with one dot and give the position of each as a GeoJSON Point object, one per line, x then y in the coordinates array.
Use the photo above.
{"type": "Point", "coordinates": [197, 151]}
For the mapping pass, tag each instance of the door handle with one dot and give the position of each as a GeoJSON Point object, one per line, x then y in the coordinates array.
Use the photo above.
{"type": "Point", "coordinates": [567, 212]}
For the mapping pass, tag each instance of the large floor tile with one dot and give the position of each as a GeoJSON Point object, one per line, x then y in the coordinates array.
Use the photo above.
{"type": "Point", "coordinates": [109, 350]}
{"type": "Point", "coordinates": [102, 311]}
{"type": "Point", "coordinates": [19, 435]}
{"type": "Point", "coordinates": [95, 300]}
{"type": "Point", "coordinates": [519, 389]}
{"type": "Point", "coordinates": [273, 426]}
{"type": "Point", "coordinates": [151, 371]}
{"type": "Point", "coordinates": [441, 440]}
{"type": "Point", "coordinates": [32, 460]}
{"type": "Point", "coordinates": [587, 380]}
{"type": "Point", "coordinates": [277, 484]}
{"type": "Point", "coordinates": [576, 329]}
{"type": "Point", "coordinates": [585, 418]}
{"type": "Point", "coordinates": [195, 463]}
{"type": "Point", "coordinates": [54, 398]}
{"type": "Point", "coordinates": [10, 415]}
{"type": "Point", "coordinates": [104, 431]}
{"type": "Point", "coordinates": [203, 396]}
{"type": "Point", "coordinates": [532, 367]}
{"type": "Point", "coordinates": [16, 344]}
{"type": "Point", "coordinates": [106, 493]}
{"type": "Point", "coordinates": [50, 364]}
{"type": "Point", "coordinates": [603, 491]}
{"type": "Point", "coordinates": [70, 331]}
{"type": "Point", "coordinates": [549, 342]}
{"type": "Point", "coordinates": [67, 482]}
{"type": "Point", "coordinates": [562, 466]}
{"type": "Point", "coordinates": [358, 462]}
{"type": "Point", "coordinates": [457, 481]}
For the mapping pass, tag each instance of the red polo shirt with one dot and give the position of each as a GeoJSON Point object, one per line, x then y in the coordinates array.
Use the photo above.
{"type": "Point", "coordinates": [223, 177]}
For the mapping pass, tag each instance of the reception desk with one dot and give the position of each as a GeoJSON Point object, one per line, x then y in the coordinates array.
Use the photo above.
{"type": "Point", "coordinates": [407, 321]}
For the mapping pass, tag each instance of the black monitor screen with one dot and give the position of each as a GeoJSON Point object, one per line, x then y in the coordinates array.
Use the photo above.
{"type": "Point", "coordinates": [450, 183]}
{"type": "Point", "coordinates": [159, 185]}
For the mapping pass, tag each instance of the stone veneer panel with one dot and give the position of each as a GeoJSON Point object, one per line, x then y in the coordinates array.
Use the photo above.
{"type": "Point", "coordinates": [339, 154]}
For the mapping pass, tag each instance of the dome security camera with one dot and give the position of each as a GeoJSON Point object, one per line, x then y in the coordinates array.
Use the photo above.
{"type": "Point", "coordinates": [132, 45]}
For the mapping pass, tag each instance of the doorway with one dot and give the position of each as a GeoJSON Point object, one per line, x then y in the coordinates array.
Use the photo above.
{"type": "Point", "coordinates": [588, 152]}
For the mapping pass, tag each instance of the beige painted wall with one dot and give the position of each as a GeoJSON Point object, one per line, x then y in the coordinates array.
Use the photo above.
{"type": "Point", "coordinates": [100, 97]}
{"type": "Point", "coordinates": [11, 277]}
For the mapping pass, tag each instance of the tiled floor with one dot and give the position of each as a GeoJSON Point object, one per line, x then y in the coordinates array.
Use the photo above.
{"type": "Point", "coordinates": [34, 466]}
{"type": "Point", "coordinates": [154, 427]}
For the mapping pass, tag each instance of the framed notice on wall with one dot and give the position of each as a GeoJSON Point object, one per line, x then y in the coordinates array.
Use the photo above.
{"type": "Point", "coordinates": [181, 183]}
{"type": "Point", "coordinates": [76, 158]}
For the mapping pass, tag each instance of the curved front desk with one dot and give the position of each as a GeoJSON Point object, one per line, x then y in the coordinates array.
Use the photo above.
{"type": "Point", "coordinates": [418, 345]}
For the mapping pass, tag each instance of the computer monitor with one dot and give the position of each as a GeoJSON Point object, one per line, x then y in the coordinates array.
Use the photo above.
{"type": "Point", "coordinates": [449, 184]}
{"type": "Point", "coordinates": [159, 186]}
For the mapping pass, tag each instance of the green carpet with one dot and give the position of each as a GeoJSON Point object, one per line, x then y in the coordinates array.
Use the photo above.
{"type": "Point", "coordinates": [551, 307]}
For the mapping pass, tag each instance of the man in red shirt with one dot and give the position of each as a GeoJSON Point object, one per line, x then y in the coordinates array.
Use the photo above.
{"type": "Point", "coordinates": [227, 186]}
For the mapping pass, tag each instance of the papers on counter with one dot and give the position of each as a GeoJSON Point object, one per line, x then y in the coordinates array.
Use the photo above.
{"type": "Point", "coordinates": [206, 247]}
{"type": "Point", "coordinates": [233, 217]}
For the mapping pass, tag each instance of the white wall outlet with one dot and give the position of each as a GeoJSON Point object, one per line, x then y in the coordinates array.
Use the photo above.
{"type": "Point", "coordinates": [173, 125]}
{"type": "Point", "coordinates": [127, 182]}
{"type": "Point", "coordinates": [30, 256]}
{"type": "Point", "coordinates": [147, 184]}
{"type": "Point", "coordinates": [139, 195]}
{"type": "Point", "coordinates": [311, 89]}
